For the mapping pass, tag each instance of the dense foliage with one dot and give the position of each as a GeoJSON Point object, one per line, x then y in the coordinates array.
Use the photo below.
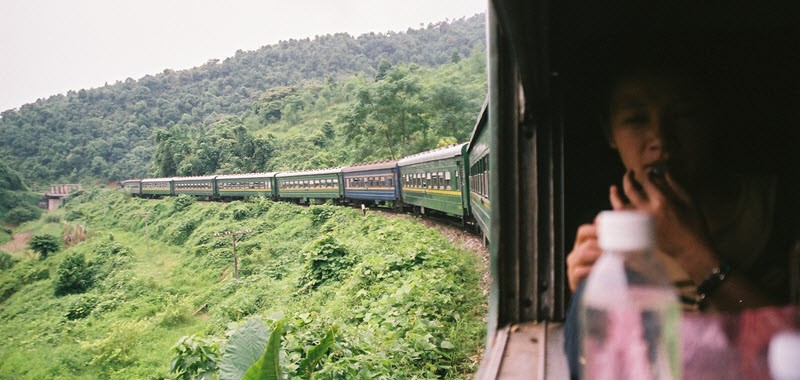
{"type": "Point", "coordinates": [44, 245]}
{"type": "Point", "coordinates": [406, 110]}
{"type": "Point", "coordinates": [109, 132]}
{"type": "Point", "coordinates": [17, 203]}
{"type": "Point", "coordinates": [359, 296]}
{"type": "Point", "coordinates": [74, 275]}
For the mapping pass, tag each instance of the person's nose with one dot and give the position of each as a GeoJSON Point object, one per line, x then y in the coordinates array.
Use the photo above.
{"type": "Point", "coordinates": [656, 139]}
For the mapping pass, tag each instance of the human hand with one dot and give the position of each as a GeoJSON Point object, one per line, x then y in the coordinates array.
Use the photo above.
{"type": "Point", "coordinates": [680, 226]}
{"type": "Point", "coordinates": [583, 256]}
{"type": "Point", "coordinates": [587, 250]}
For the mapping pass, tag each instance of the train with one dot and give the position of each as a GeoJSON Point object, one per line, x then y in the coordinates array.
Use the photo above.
{"type": "Point", "coordinates": [451, 180]}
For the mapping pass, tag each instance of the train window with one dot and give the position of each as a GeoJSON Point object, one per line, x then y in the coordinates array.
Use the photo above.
{"type": "Point", "coordinates": [447, 181]}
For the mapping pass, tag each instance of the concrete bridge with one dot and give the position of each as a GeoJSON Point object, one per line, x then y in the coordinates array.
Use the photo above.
{"type": "Point", "coordinates": [57, 194]}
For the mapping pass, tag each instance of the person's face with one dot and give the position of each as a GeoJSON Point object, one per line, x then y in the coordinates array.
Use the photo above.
{"type": "Point", "coordinates": [658, 121]}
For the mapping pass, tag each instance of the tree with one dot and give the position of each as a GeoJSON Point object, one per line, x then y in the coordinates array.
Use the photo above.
{"type": "Point", "coordinates": [74, 276]}
{"type": "Point", "coordinates": [44, 245]}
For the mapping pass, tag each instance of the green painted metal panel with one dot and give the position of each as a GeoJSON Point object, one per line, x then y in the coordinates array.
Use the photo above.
{"type": "Point", "coordinates": [303, 186]}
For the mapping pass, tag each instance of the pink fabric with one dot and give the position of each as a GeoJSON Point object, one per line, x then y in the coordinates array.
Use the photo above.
{"type": "Point", "coordinates": [733, 346]}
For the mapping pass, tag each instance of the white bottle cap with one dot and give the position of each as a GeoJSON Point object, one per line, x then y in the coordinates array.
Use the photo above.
{"type": "Point", "coordinates": [784, 349]}
{"type": "Point", "coordinates": [625, 231]}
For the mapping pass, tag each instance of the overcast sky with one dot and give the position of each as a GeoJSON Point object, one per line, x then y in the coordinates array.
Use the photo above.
{"type": "Point", "coordinates": [52, 46]}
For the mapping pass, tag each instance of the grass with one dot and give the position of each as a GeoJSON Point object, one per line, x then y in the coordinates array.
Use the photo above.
{"type": "Point", "coordinates": [407, 303]}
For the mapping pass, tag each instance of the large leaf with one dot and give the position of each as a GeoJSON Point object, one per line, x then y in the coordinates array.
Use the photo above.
{"type": "Point", "coordinates": [268, 367]}
{"type": "Point", "coordinates": [243, 349]}
{"type": "Point", "coordinates": [316, 353]}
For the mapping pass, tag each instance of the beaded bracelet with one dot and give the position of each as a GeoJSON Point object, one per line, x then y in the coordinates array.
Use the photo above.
{"type": "Point", "coordinates": [712, 282]}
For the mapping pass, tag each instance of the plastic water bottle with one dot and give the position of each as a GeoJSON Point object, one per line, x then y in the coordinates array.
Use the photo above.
{"type": "Point", "coordinates": [784, 350]}
{"type": "Point", "coordinates": [630, 311]}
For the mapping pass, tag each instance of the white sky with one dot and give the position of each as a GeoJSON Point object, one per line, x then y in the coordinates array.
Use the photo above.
{"type": "Point", "coordinates": [48, 47]}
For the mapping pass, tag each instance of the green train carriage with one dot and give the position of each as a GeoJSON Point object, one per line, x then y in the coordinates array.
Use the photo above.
{"type": "Point", "coordinates": [154, 187]}
{"type": "Point", "coordinates": [479, 173]}
{"type": "Point", "coordinates": [310, 186]}
{"type": "Point", "coordinates": [199, 185]}
{"type": "Point", "coordinates": [246, 185]}
{"type": "Point", "coordinates": [434, 180]}
{"type": "Point", "coordinates": [132, 186]}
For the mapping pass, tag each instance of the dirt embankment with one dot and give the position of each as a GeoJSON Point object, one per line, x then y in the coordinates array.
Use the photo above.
{"type": "Point", "coordinates": [18, 241]}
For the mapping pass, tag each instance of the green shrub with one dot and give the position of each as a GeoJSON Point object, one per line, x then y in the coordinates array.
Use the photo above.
{"type": "Point", "coordinates": [326, 260]}
{"type": "Point", "coordinates": [181, 202]}
{"type": "Point", "coordinates": [111, 249]}
{"type": "Point", "coordinates": [81, 307]}
{"type": "Point", "coordinates": [241, 213]}
{"type": "Point", "coordinates": [44, 245]}
{"type": "Point", "coordinates": [51, 218]}
{"type": "Point", "coordinates": [6, 260]}
{"type": "Point", "coordinates": [23, 273]}
{"type": "Point", "coordinates": [30, 271]}
{"type": "Point", "coordinates": [182, 231]}
{"type": "Point", "coordinates": [19, 214]}
{"type": "Point", "coordinates": [116, 349]}
{"type": "Point", "coordinates": [195, 358]}
{"type": "Point", "coordinates": [73, 214]}
{"type": "Point", "coordinates": [74, 275]}
{"type": "Point", "coordinates": [321, 214]}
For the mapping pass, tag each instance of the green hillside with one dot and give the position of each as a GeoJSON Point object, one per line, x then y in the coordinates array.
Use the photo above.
{"type": "Point", "coordinates": [110, 133]}
{"type": "Point", "coordinates": [403, 301]}
{"type": "Point", "coordinates": [405, 109]}
{"type": "Point", "coordinates": [17, 203]}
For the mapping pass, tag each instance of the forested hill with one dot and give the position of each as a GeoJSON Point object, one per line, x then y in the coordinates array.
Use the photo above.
{"type": "Point", "coordinates": [17, 203]}
{"type": "Point", "coordinates": [109, 133]}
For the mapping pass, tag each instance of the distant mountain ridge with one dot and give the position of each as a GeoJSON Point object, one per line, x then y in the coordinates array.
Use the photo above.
{"type": "Point", "coordinates": [107, 132]}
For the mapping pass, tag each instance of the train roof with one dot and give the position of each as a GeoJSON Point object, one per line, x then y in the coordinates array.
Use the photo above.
{"type": "Point", "coordinates": [374, 165]}
{"type": "Point", "coordinates": [195, 178]}
{"type": "Point", "coordinates": [480, 123]}
{"type": "Point", "coordinates": [432, 155]}
{"type": "Point", "coordinates": [131, 180]}
{"type": "Point", "coordinates": [247, 175]}
{"type": "Point", "coordinates": [309, 172]}
{"type": "Point", "coordinates": [167, 179]}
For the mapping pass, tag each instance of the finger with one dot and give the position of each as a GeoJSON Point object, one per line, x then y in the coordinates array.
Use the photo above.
{"type": "Point", "coordinates": [585, 254]}
{"type": "Point", "coordinates": [585, 232]}
{"type": "Point", "coordinates": [616, 199]}
{"type": "Point", "coordinates": [654, 192]}
{"type": "Point", "coordinates": [635, 196]}
{"type": "Point", "coordinates": [677, 189]}
{"type": "Point", "coordinates": [577, 275]}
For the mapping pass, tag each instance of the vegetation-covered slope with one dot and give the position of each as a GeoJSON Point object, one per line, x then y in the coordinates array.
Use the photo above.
{"type": "Point", "coordinates": [17, 203]}
{"type": "Point", "coordinates": [406, 109]}
{"type": "Point", "coordinates": [407, 304]}
{"type": "Point", "coordinates": [107, 133]}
